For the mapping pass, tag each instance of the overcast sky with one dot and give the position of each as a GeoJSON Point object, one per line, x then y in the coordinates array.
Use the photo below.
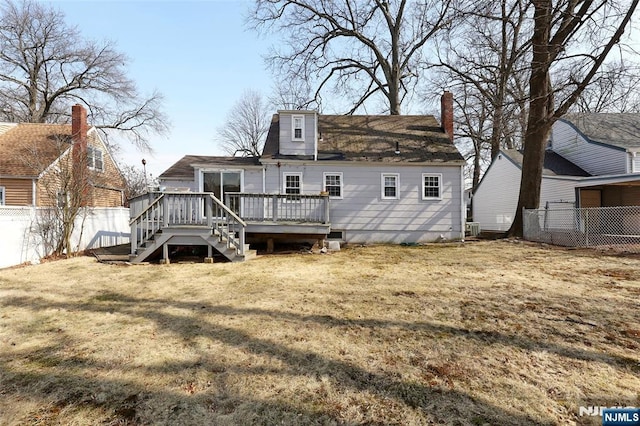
{"type": "Point", "coordinates": [197, 53]}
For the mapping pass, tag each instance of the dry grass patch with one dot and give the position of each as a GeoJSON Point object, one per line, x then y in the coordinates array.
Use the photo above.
{"type": "Point", "coordinates": [483, 333]}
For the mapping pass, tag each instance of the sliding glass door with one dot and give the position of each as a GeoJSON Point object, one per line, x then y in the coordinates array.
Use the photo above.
{"type": "Point", "coordinates": [221, 183]}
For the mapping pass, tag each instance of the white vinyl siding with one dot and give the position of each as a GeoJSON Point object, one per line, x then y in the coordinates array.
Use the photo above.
{"type": "Point", "coordinates": [364, 217]}
{"type": "Point", "coordinates": [390, 183]}
{"type": "Point", "coordinates": [596, 159]}
{"type": "Point", "coordinates": [431, 186]}
{"type": "Point", "coordinates": [495, 200]}
{"type": "Point", "coordinates": [305, 124]}
{"type": "Point", "coordinates": [333, 184]}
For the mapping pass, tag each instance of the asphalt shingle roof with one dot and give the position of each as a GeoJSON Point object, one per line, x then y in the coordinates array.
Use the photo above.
{"type": "Point", "coordinates": [183, 168]}
{"type": "Point", "coordinates": [621, 130]}
{"type": "Point", "coordinates": [27, 149]}
{"type": "Point", "coordinates": [374, 139]}
{"type": "Point", "coordinates": [554, 164]}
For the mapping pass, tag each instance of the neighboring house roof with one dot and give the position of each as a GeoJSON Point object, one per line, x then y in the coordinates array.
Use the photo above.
{"type": "Point", "coordinates": [183, 169]}
{"type": "Point", "coordinates": [617, 129]}
{"type": "Point", "coordinates": [28, 149]}
{"type": "Point", "coordinates": [554, 164]}
{"type": "Point", "coordinates": [374, 139]}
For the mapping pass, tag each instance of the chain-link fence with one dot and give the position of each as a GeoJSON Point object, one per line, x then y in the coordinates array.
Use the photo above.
{"type": "Point", "coordinates": [610, 228]}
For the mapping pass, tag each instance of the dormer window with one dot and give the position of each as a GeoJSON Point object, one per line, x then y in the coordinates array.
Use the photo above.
{"type": "Point", "coordinates": [297, 124]}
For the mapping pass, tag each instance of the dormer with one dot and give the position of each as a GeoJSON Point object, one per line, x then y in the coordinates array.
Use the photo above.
{"type": "Point", "coordinates": [298, 133]}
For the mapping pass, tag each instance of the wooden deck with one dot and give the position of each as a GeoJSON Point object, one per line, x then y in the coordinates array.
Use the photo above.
{"type": "Point", "coordinates": [187, 218]}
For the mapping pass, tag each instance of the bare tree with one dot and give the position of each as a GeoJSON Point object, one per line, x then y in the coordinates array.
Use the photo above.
{"type": "Point", "coordinates": [293, 95]}
{"type": "Point", "coordinates": [361, 50]}
{"type": "Point", "coordinates": [46, 65]}
{"type": "Point", "coordinates": [65, 190]}
{"type": "Point", "coordinates": [483, 61]}
{"type": "Point", "coordinates": [246, 126]}
{"type": "Point", "coordinates": [615, 89]}
{"type": "Point", "coordinates": [136, 182]}
{"type": "Point", "coordinates": [571, 41]}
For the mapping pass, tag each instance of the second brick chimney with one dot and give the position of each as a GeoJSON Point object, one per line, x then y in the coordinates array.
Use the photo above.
{"type": "Point", "coordinates": [446, 119]}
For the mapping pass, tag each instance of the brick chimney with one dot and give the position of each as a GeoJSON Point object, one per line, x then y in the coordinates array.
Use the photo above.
{"type": "Point", "coordinates": [446, 119]}
{"type": "Point", "coordinates": [79, 130]}
{"type": "Point", "coordinates": [79, 125]}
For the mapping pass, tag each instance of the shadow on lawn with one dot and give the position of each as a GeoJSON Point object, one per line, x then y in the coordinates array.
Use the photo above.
{"type": "Point", "coordinates": [436, 402]}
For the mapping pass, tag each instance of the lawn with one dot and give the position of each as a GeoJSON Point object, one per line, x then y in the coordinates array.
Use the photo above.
{"type": "Point", "coordinates": [479, 333]}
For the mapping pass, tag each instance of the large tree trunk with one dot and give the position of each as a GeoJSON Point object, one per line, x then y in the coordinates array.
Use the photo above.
{"type": "Point", "coordinates": [540, 116]}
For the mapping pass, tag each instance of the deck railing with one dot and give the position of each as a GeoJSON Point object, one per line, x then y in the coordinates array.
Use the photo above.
{"type": "Point", "coordinates": [170, 209]}
{"type": "Point", "coordinates": [280, 207]}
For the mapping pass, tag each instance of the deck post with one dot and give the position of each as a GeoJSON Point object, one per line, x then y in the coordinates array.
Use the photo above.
{"type": "Point", "coordinates": [134, 238]}
{"type": "Point", "coordinates": [208, 211]}
{"type": "Point", "coordinates": [165, 211]}
{"type": "Point", "coordinates": [274, 213]}
{"type": "Point", "coordinates": [326, 209]}
{"type": "Point", "coordinates": [165, 253]}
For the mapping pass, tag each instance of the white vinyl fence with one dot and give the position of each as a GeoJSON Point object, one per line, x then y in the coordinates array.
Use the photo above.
{"type": "Point", "coordinates": [20, 240]}
{"type": "Point", "coordinates": [611, 228]}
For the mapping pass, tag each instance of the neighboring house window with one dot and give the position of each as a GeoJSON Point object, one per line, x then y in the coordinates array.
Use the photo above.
{"type": "Point", "coordinates": [63, 199]}
{"type": "Point", "coordinates": [333, 184]}
{"type": "Point", "coordinates": [298, 127]}
{"type": "Point", "coordinates": [94, 158]}
{"type": "Point", "coordinates": [390, 183]}
{"type": "Point", "coordinates": [293, 185]}
{"type": "Point", "coordinates": [2, 191]}
{"type": "Point", "coordinates": [431, 186]}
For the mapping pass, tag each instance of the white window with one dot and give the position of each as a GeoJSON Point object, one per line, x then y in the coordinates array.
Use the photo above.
{"type": "Point", "coordinates": [333, 184]}
{"type": "Point", "coordinates": [94, 158]}
{"type": "Point", "coordinates": [292, 183]}
{"type": "Point", "coordinates": [2, 192]}
{"type": "Point", "coordinates": [431, 186]}
{"type": "Point", "coordinates": [297, 124]}
{"type": "Point", "coordinates": [390, 186]}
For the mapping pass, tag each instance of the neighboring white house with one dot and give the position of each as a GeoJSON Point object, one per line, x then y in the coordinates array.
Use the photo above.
{"type": "Point", "coordinates": [593, 160]}
{"type": "Point", "coordinates": [389, 179]}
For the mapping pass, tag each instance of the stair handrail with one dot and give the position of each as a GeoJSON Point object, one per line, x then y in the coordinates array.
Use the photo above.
{"type": "Point", "coordinates": [133, 223]}
{"type": "Point", "coordinates": [229, 222]}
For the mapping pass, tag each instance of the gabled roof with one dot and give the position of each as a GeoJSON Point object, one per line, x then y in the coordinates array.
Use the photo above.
{"type": "Point", "coordinates": [554, 164]}
{"type": "Point", "coordinates": [183, 169]}
{"type": "Point", "coordinates": [27, 149]}
{"type": "Point", "coordinates": [374, 139]}
{"type": "Point", "coordinates": [620, 130]}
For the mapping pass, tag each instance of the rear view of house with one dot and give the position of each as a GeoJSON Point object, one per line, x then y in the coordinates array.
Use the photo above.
{"type": "Point", "coordinates": [357, 179]}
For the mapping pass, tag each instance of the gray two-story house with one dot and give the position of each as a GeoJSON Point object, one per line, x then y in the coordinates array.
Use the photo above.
{"type": "Point", "coordinates": [357, 179]}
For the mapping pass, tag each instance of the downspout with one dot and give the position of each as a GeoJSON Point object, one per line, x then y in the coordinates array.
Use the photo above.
{"type": "Point", "coordinates": [315, 136]}
{"type": "Point", "coordinates": [463, 210]}
{"type": "Point", "coordinates": [264, 178]}
{"type": "Point", "coordinates": [34, 189]}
